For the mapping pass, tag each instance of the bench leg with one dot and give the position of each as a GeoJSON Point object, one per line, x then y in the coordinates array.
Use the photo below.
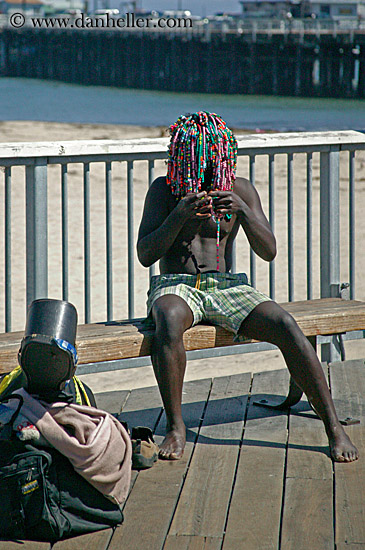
{"type": "Point", "coordinates": [293, 397]}
{"type": "Point", "coordinates": [294, 394]}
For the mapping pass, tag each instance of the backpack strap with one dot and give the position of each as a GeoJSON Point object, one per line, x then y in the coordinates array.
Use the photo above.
{"type": "Point", "coordinates": [7, 429]}
{"type": "Point", "coordinates": [81, 394]}
{"type": "Point", "coordinates": [15, 380]}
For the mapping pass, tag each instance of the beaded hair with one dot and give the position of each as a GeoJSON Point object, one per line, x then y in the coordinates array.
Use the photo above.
{"type": "Point", "coordinates": [199, 141]}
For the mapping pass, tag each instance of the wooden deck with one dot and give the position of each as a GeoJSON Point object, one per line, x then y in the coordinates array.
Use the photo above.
{"type": "Point", "coordinates": [250, 478]}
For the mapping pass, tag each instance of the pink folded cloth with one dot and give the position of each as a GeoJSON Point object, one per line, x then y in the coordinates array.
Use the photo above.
{"type": "Point", "coordinates": [97, 445]}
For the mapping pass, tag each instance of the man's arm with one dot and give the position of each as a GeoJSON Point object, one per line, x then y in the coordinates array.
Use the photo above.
{"type": "Point", "coordinates": [245, 202]}
{"type": "Point", "coordinates": [160, 227]}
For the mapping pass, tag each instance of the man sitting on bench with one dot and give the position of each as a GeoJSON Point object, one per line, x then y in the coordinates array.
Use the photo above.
{"type": "Point", "coordinates": [190, 220]}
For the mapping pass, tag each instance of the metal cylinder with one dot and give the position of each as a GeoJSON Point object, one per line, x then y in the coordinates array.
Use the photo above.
{"type": "Point", "coordinates": [54, 318]}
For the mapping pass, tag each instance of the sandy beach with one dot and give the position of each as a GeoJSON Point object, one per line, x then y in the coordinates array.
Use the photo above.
{"type": "Point", "coordinates": [20, 131]}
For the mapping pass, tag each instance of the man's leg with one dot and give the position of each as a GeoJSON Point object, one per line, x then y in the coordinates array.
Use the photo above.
{"type": "Point", "coordinates": [270, 323]}
{"type": "Point", "coordinates": [172, 316]}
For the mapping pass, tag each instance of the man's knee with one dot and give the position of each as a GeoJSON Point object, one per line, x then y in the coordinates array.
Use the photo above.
{"type": "Point", "coordinates": [275, 324]}
{"type": "Point", "coordinates": [171, 320]}
{"type": "Point", "coordinates": [286, 325]}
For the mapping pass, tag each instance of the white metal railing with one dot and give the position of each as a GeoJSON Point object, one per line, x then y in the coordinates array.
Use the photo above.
{"type": "Point", "coordinates": [41, 183]}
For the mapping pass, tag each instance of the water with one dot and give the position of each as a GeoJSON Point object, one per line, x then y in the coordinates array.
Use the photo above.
{"type": "Point", "coordinates": [26, 99]}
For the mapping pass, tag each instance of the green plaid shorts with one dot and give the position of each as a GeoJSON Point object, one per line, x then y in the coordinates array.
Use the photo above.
{"type": "Point", "coordinates": [223, 299]}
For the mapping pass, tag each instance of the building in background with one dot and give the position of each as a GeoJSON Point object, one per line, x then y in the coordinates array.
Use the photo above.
{"type": "Point", "coordinates": [270, 8]}
{"type": "Point", "coordinates": [30, 7]}
{"type": "Point", "coordinates": [69, 7]}
{"type": "Point", "coordinates": [333, 9]}
{"type": "Point", "coordinates": [325, 9]}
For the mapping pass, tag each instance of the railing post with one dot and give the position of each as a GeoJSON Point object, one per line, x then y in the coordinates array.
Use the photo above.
{"type": "Point", "coordinates": [36, 230]}
{"type": "Point", "coordinates": [130, 210]}
{"type": "Point", "coordinates": [151, 177]}
{"type": "Point", "coordinates": [8, 249]}
{"type": "Point", "coordinates": [330, 237]}
{"type": "Point", "coordinates": [109, 245]}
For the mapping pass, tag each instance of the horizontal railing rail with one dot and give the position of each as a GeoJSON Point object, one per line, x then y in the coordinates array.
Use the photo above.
{"type": "Point", "coordinates": [37, 158]}
{"type": "Point", "coordinates": [156, 148]}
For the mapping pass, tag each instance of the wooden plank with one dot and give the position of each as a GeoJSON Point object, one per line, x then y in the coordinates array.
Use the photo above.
{"type": "Point", "coordinates": [192, 542]}
{"type": "Point", "coordinates": [24, 545]}
{"type": "Point", "coordinates": [308, 484]}
{"type": "Point", "coordinates": [125, 339]}
{"type": "Point", "coordinates": [111, 401]}
{"type": "Point", "coordinates": [91, 541]}
{"type": "Point", "coordinates": [203, 504]}
{"type": "Point", "coordinates": [348, 390]}
{"type": "Point", "coordinates": [350, 546]}
{"type": "Point", "coordinates": [142, 408]}
{"type": "Point", "coordinates": [321, 304]}
{"type": "Point", "coordinates": [151, 504]}
{"type": "Point", "coordinates": [305, 501]}
{"type": "Point", "coordinates": [254, 514]}
{"type": "Point", "coordinates": [308, 451]}
{"type": "Point", "coordinates": [11, 339]}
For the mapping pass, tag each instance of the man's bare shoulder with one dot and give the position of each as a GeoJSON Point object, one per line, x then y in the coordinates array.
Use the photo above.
{"type": "Point", "coordinates": [159, 197]}
{"type": "Point", "coordinates": [160, 186]}
{"type": "Point", "coordinates": [243, 187]}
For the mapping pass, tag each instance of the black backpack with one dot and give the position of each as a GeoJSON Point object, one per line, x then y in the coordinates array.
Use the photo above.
{"type": "Point", "coordinates": [42, 498]}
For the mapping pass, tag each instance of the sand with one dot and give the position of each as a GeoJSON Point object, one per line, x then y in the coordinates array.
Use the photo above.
{"type": "Point", "coordinates": [45, 131]}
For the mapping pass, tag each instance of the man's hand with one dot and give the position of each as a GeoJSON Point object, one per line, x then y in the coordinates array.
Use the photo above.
{"type": "Point", "coordinates": [195, 204]}
{"type": "Point", "coordinates": [226, 202]}
{"type": "Point", "coordinates": [245, 203]}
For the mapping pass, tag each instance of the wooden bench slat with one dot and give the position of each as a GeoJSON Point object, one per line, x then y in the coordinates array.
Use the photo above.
{"type": "Point", "coordinates": [124, 339]}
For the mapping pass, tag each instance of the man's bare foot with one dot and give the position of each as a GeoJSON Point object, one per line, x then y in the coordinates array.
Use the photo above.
{"type": "Point", "coordinates": [172, 447]}
{"type": "Point", "coordinates": [341, 448]}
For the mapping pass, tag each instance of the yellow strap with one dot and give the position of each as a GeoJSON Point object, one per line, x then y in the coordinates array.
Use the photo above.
{"type": "Point", "coordinates": [80, 386]}
{"type": "Point", "coordinates": [197, 284]}
{"type": "Point", "coordinates": [9, 378]}
{"type": "Point", "coordinates": [77, 392]}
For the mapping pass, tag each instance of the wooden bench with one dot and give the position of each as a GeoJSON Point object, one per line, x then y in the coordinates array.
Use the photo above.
{"type": "Point", "coordinates": [116, 340]}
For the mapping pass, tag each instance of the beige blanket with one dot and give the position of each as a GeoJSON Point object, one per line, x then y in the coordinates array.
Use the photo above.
{"type": "Point", "coordinates": [96, 444]}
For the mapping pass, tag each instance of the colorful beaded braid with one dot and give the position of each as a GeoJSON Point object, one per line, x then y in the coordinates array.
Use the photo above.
{"type": "Point", "coordinates": [217, 241]}
{"type": "Point", "coordinates": [198, 141]}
